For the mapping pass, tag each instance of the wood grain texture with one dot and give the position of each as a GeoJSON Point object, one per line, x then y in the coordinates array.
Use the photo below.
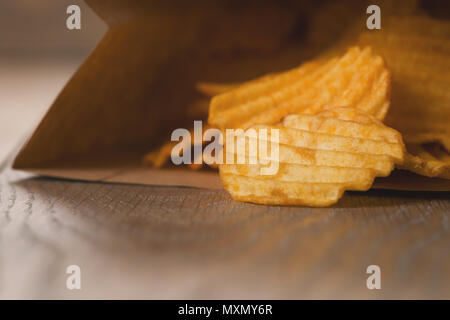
{"type": "Point", "coordinates": [135, 241]}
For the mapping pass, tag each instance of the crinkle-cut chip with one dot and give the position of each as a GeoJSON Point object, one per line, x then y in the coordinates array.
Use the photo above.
{"type": "Point", "coordinates": [359, 78]}
{"type": "Point", "coordinates": [271, 192]}
{"type": "Point", "coordinates": [288, 172]}
{"type": "Point", "coordinates": [381, 164]}
{"type": "Point", "coordinates": [314, 164]}
{"type": "Point", "coordinates": [429, 160]}
{"type": "Point", "coordinates": [349, 114]}
{"type": "Point", "coordinates": [322, 141]}
{"type": "Point", "coordinates": [254, 89]}
{"type": "Point", "coordinates": [344, 128]}
{"type": "Point", "coordinates": [417, 51]}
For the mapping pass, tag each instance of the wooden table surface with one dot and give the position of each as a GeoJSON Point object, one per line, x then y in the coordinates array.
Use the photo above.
{"type": "Point", "coordinates": [134, 241]}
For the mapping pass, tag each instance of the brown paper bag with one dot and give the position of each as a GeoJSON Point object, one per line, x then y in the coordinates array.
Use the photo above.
{"type": "Point", "coordinates": [133, 89]}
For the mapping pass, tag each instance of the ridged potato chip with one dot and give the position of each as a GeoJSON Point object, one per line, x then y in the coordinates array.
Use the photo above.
{"type": "Point", "coordinates": [325, 124]}
{"type": "Point", "coordinates": [381, 164]}
{"type": "Point", "coordinates": [334, 142]}
{"type": "Point", "coordinates": [359, 78]}
{"type": "Point", "coordinates": [417, 51]}
{"type": "Point", "coordinates": [272, 192]}
{"type": "Point", "coordinates": [319, 157]}
{"type": "Point", "coordinates": [429, 160]}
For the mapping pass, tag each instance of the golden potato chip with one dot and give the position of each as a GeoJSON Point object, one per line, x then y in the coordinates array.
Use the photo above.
{"type": "Point", "coordinates": [349, 114]}
{"type": "Point", "coordinates": [289, 172]}
{"type": "Point", "coordinates": [318, 159]}
{"type": "Point", "coordinates": [273, 192]}
{"type": "Point", "coordinates": [341, 128]}
{"type": "Point", "coordinates": [381, 164]}
{"type": "Point", "coordinates": [257, 88]}
{"type": "Point", "coordinates": [334, 142]}
{"type": "Point", "coordinates": [358, 78]}
{"type": "Point", "coordinates": [429, 160]}
{"type": "Point", "coordinates": [417, 50]}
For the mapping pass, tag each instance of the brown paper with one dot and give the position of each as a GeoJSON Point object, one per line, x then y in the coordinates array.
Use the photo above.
{"type": "Point", "coordinates": [134, 88]}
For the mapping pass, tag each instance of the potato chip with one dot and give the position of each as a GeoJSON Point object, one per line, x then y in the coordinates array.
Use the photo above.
{"type": "Point", "coordinates": [358, 78]}
{"type": "Point", "coordinates": [381, 164]}
{"type": "Point", "coordinates": [416, 50]}
{"type": "Point", "coordinates": [334, 142]}
{"type": "Point", "coordinates": [319, 158]}
{"type": "Point", "coordinates": [288, 172]}
{"type": "Point", "coordinates": [273, 192]}
{"type": "Point", "coordinates": [429, 160]}
{"type": "Point", "coordinates": [342, 128]}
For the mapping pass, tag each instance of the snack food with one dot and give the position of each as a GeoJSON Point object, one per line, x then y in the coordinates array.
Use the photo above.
{"type": "Point", "coordinates": [430, 160]}
{"type": "Point", "coordinates": [319, 158]}
{"type": "Point", "coordinates": [358, 78]}
{"type": "Point", "coordinates": [416, 50]}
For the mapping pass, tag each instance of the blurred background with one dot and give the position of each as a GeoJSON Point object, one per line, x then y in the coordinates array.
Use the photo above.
{"type": "Point", "coordinates": [38, 54]}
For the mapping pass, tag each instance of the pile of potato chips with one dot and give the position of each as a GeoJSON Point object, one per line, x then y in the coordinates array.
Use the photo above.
{"type": "Point", "coordinates": [320, 156]}
{"type": "Point", "coordinates": [344, 120]}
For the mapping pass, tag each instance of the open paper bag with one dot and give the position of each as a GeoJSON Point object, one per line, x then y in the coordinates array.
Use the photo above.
{"type": "Point", "coordinates": [133, 89]}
